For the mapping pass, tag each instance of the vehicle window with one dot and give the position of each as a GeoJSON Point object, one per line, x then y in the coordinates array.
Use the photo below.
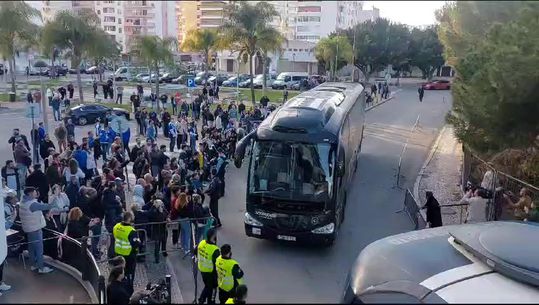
{"type": "Point", "coordinates": [292, 170]}
{"type": "Point", "coordinates": [287, 78]}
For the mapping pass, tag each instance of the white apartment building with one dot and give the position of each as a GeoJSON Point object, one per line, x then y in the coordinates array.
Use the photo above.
{"type": "Point", "coordinates": [50, 8]}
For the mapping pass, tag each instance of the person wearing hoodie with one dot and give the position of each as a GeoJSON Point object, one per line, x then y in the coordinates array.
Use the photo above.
{"type": "Point", "coordinates": [138, 196]}
{"type": "Point", "coordinates": [113, 213]}
{"type": "Point", "coordinates": [32, 221]}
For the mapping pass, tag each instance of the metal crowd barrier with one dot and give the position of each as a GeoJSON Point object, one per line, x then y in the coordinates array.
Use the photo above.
{"type": "Point", "coordinates": [411, 208]}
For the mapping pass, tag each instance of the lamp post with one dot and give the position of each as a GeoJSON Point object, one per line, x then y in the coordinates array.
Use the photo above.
{"type": "Point", "coordinates": [44, 106]}
{"type": "Point", "coordinates": [293, 62]}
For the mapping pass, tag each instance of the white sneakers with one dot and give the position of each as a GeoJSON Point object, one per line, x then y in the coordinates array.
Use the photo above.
{"type": "Point", "coordinates": [45, 270]}
{"type": "Point", "coordinates": [4, 287]}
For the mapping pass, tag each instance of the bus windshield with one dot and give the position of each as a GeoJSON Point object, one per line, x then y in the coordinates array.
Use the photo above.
{"type": "Point", "coordinates": [291, 170]}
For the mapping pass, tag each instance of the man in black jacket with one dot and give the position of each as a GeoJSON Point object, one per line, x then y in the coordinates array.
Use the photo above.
{"type": "Point", "coordinates": [38, 179]}
{"type": "Point", "coordinates": [214, 191]}
{"type": "Point", "coordinates": [113, 212]}
{"type": "Point", "coordinates": [44, 147]}
{"type": "Point", "coordinates": [16, 137]}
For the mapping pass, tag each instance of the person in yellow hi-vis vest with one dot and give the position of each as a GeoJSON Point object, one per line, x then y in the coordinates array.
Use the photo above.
{"type": "Point", "coordinates": [229, 274]}
{"type": "Point", "coordinates": [207, 253]}
{"type": "Point", "coordinates": [126, 243]}
{"type": "Point", "coordinates": [241, 296]}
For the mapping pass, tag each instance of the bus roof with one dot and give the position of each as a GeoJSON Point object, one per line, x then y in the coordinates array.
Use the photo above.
{"type": "Point", "coordinates": [317, 113]}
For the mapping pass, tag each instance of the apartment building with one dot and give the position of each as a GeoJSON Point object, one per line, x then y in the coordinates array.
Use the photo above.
{"type": "Point", "coordinates": [201, 14]}
{"type": "Point", "coordinates": [50, 8]}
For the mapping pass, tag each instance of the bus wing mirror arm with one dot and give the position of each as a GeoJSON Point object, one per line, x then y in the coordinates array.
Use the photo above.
{"type": "Point", "coordinates": [239, 154]}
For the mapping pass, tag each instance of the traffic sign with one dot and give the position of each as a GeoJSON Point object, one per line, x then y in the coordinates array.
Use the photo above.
{"type": "Point", "coordinates": [33, 111]}
{"type": "Point", "coordinates": [191, 83]}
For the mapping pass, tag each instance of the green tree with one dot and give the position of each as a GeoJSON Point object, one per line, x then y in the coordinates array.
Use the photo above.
{"type": "Point", "coordinates": [332, 51]}
{"type": "Point", "coordinates": [16, 31]}
{"type": "Point", "coordinates": [246, 28]}
{"type": "Point", "coordinates": [76, 34]}
{"type": "Point", "coordinates": [205, 41]}
{"type": "Point", "coordinates": [104, 50]}
{"type": "Point", "coordinates": [272, 42]}
{"type": "Point", "coordinates": [377, 44]}
{"type": "Point", "coordinates": [155, 52]}
{"type": "Point", "coordinates": [426, 50]}
{"type": "Point", "coordinates": [493, 109]}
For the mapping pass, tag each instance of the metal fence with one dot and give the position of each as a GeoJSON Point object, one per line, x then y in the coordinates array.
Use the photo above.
{"type": "Point", "coordinates": [499, 185]}
{"type": "Point", "coordinates": [411, 207]}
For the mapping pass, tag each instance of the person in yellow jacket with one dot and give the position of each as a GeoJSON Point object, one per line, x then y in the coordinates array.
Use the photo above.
{"type": "Point", "coordinates": [207, 253]}
{"type": "Point", "coordinates": [229, 274]}
{"type": "Point", "coordinates": [126, 243]}
{"type": "Point", "coordinates": [241, 296]}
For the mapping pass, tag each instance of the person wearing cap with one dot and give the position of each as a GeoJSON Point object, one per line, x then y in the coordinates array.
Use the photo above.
{"type": "Point", "coordinates": [32, 221]}
{"type": "Point", "coordinates": [240, 297]}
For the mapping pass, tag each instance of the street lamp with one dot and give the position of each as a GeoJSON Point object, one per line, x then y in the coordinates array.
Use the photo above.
{"type": "Point", "coordinates": [40, 64]}
{"type": "Point", "coordinates": [293, 61]}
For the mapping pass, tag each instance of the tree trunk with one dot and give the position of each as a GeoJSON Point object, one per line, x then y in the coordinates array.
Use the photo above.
{"type": "Point", "coordinates": [156, 84]}
{"type": "Point", "coordinates": [251, 75]}
{"type": "Point", "coordinates": [264, 73]}
{"type": "Point", "coordinates": [79, 80]}
{"type": "Point", "coordinates": [11, 62]}
{"type": "Point", "coordinates": [207, 65]}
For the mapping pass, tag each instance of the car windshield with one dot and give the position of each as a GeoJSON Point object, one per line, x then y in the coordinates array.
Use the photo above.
{"type": "Point", "coordinates": [281, 76]}
{"type": "Point", "coordinates": [291, 170]}
{"type": "Point", "coordinates": [259, 77]}
{"type": "Point", "coordinates": [232, 79]}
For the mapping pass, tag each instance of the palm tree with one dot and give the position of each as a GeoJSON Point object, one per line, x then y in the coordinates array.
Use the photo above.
{"type": "Point", "coordinates": [202, 40]}
{"type": "Point", "coordinates": [272, 42]}
{"type": "Point", "coordinates": [155, 52]}
{"type": "Point", "coordinates": [75, 34]}
{"type": "Point", "coordinates": [246, 28]}
{"type": "Point", "coordinates": [16, 31]}
{"type": "Point", "coordinates": [105, 49]}
{"type": "Point", "coordinates": [333, 50]}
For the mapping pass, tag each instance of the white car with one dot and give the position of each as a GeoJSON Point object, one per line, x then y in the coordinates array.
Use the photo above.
{"type": "Point", "coordinates": [259, 78]}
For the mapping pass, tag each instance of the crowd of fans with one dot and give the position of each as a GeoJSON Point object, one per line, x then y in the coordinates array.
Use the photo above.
{"type": "Point", "coordinates": [80, 188]}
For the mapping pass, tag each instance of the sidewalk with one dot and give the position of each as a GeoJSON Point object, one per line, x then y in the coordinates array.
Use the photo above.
{"type": "Point", "coordinates": [441, 174]}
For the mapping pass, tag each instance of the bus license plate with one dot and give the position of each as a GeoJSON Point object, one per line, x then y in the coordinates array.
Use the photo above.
{"type": "Point", "coordinates": [285, 237]}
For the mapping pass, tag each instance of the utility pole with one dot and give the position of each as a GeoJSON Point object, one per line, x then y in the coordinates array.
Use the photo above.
{"type": "Point", "coordinates": [335, 65]}
{"type": "Point", "coordinates": [354, 56]}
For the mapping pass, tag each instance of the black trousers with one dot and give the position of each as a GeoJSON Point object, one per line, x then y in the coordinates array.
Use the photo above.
{"type": "Point", "coordinates": [224, 295]}
{"type": "Point", "coordinates": [130, 267]}
{"type": "Point", "coordinates": [214, 209]}
{"type": "Point", "coordinates": [2, 272]}
{"type": "Point", "coordinates": [210, 286]}
{"type": "Point", "coordinates": [175, 235]}
{"type": "Point", "coordinates": [160, 246]}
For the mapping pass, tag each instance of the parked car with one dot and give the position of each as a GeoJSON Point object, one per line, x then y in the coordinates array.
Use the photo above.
{"type": "Point", "coordinates": [201, 77]}
{"type": "Point", "coordinates": [233, 81]}
{"type": "Point", "coordinates": [168, 77]}
{"type": "Point", "coordinates": [182, 79]}
{"type": "Point", "coordinates": [139, 77]}
{"type": "Point", "coordinates": [151, 79]}
{"type": "Point", "coordinates": [259, 78]}
{"type": "Point", "coordinates": [74, 71]}
{"type": "Point", "coordinates": [246, 83]}
{"type": "Point", "coordinates": [287, 79]}
{"type": "Point", "coordinates": [59, 70]}
{"type": "Point", "coordinates": [92, 70]}
{"type": "Point", "coordinates": [89, 113]}
{"type": "Point", "coordinates": [437, 85]}
{"type": "Point", "coordinates": [219, 78]}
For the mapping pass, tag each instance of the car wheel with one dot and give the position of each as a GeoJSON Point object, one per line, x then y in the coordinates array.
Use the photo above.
{"type": "Point", "coordinates": [82, 121]}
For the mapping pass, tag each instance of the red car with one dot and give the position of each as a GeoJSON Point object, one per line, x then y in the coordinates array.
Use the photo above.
{"type": "Point", "coordinates": [437, 85]}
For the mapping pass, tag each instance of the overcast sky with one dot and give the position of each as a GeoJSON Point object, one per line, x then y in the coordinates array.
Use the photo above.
{"type": "Point", "coordinates": [408, 12]}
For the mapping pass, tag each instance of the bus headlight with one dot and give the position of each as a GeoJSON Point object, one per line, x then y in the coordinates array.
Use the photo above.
{"type": "Point", "coordinates": [251, 221]}
{"type": "Point", "coordinates": [327, 229]}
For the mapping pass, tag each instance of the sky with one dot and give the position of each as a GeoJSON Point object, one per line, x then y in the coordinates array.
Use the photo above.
{"type": "Point", "coordinates": [415, 13]}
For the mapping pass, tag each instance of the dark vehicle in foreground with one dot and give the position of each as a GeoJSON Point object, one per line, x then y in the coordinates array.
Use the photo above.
{"type": "Point", "coordinates": [303, 159]}
{"type": "Point", "coordinates": [437, 85]}
{"type": "Point", "coordinates": [89, 113]}
{"type": "Point", "coordinates": [484, 263]}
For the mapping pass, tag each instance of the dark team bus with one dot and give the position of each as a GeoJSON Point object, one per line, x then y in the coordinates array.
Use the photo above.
{"type": "Point", "coordinates": [303, 158]}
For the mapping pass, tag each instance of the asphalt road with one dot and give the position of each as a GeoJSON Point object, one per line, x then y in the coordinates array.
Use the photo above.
{"type": "Point", "coordinates": [284, 273]}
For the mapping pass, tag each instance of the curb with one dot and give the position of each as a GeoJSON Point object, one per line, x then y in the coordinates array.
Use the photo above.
{"type": "Point", "coordinates": [75, 274]}
{"type": "Point", "coordinates": [174, 286]}
{"type": "Point", "coordinates": [433, 150]}
{"type": "Point", "coordinates": [384, 101]}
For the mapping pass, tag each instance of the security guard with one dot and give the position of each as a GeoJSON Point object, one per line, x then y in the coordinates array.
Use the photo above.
{"type": "Point", "coordinates": [229, 274]}
{"type": "Point", "coordinates": [241, 296]}
{"type": "Point", "coordinates": [126, 243]}
{"type": "Point", "coordinates": [207, 253]}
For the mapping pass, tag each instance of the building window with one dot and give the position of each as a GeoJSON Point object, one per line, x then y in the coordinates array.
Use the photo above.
{"type": "Point", "coordinates": [108, 10]}
{"type": "Point", "coordinates": [120, 30]}
{"type": "Point", "coordinates": [110, 19]}
{"type": "Point", "coordinates": [99, 12]}
{"type": "Point", "coordinates": [108, 2]}
{"type": "Point", "coordinates": [119, 20]}
{"type": "Point", "coordinates": [110, 28]}
{"type": "Point", "coordinates": [309, 9]}
{"type": "Point", "coordinates": [308, 19]}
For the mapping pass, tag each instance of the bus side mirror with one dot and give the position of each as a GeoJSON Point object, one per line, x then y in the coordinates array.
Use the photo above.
{"type": "Point", "coordinates": [340, 169]}
{"type": "Point", "coordinates": [239, 154]}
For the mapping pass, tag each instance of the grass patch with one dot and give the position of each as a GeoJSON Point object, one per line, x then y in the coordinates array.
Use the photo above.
{"type": "Point", "coordinates": [4, 97]}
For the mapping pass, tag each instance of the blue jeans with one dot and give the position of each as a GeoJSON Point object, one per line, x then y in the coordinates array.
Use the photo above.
{"type": "Point", "coordinates": [35, 247]}
{"type": "Point", "coordinates": [96, 232]}
{"type": "Point", "coordinates": [185, 227]}
{"type": "Point", "coordinates": [104, 150]}
{"type": "Point", "coordinates": [56, 114]}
